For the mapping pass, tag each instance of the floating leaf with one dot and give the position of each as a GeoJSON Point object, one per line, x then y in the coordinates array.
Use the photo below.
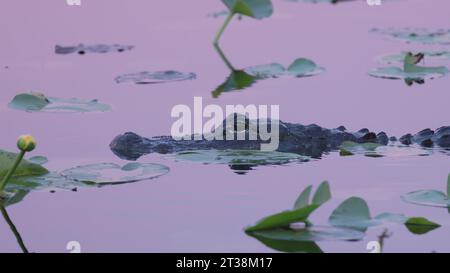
{"type": "Point", "coordinates": [36, 102]}
{"type": "Point", "coordinates": [238, 157]}
{"type": "Point", "coordinates": [41, 160]}
{"type": "Point", "coordinates": [25, 168]}
{"type": "Point", "coordinates": [354, 213]}
{"type": "Point", "coordinates": [97, 48]}
{"type": "Point", "coordinates": [29, 102]}
{"type": "Point", "coordinates": [419, 76]}
{"type": "Point", "coordinates": [257, 9]}
{"type": "Point", "coordinates": [155, 77]}
{"type": "Point", "coordinates": [264, 71]}
{"type": "Point", "coordinates": [431, 198]}
{"type": "Point", "coordinates": [419, 35]}
{"type": "Point", "coordinates": [400, 57]}
{"type": "Point", "coordinates": [303, 68]}
{"type": "Point", "coordinates": [420, 225]}
{"type": "Point", "coordinates": [110, 173]}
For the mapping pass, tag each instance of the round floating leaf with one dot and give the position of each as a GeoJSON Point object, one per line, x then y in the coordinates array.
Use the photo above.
{"type": "Point", "coordinates": [400, 57]}
{"type": "Point", "coordinates": [238, 157]}
{"type": "Point", "coordinates": [237, 80]}
{"type": "Point", "coordinates": [36, 102]}
{"type": "Point", "coordinates": [47, 181]}
{"type": "Point", "coordinates": [420, 35]}
{"type": "Point", "coordinates": [257, 9]}
{"type": "Point", "coordinates": [25, 168]}
{"type": "Point", "coordinates": [352, 213]}
{"type": "Point", "coordinates": [29, 102]}
{"type": "Point", "coordinates": [41, 160]}
{"type": "Point", "coordinates": [110, 173]}
{"type": "Point", "coordinates": [420, 225]}
{"type": "Point", "coordinates": [273, 70]}
{"type": "Point", "coordinates": [431, 198]}
{"type": "Point", "coordinates": [396, 73]}
{"type": "Point", "coordinates": [155, 77]}
{"type": "Point", "coordinates": [302, 67]}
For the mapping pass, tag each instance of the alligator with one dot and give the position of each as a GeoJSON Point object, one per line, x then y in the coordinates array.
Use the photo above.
{"type": "Point", "coordinates": [308, 140]}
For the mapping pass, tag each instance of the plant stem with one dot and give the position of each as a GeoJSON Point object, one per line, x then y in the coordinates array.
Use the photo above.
{"type": "Point", "coordinates": [14, 229]}
{"type": "Point", "coordinates": [222, 29]}
{"type": "Point", "coordinates": [11, 171]}
{"type": "Point", "coordinates": [224, 58]}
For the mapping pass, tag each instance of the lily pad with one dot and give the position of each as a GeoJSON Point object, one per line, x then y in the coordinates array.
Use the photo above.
{"type": "Point", "coordinates": [431, 198]}
{"type": "Point", "coordinates": [238, 157]}
{"type": "Point", "coordinates": [419, 75]}
{"type": "Point", "coordinates": [300, 213]}
{"type": "Point", "coordinates": [37, 102]}
{"type": "Point", "coordinates": [257, 9]}
{"type": "Point", "coordinates": [25, 168]}
{"type": "Point", "coordinates": [301, 67]}
{"type": "Point", "coordinates": [40, 160]}
{"type": "Point", "coordinates": [96, 48]}
{"type": "Point", "coordinates": [155, 77]}
{"type": "Point", "coordinates": [354, 213]}
{"type": "Point", "coordinates": [110, 173]}
{"type": "Point", "coordinates": [418, 35]}
{"type": "Point", "coordinates": [420, 225]}
{"type": "Point", "coordinates": [400, 57]}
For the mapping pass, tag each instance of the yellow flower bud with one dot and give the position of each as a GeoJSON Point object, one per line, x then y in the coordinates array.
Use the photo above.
{"type": "Point", "coordinates": [26, 143]}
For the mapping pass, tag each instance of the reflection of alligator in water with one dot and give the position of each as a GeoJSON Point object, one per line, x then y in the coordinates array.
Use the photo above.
{"type": "Point", "coordinates": [309, 140]}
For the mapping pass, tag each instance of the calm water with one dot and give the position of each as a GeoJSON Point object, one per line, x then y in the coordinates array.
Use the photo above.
{"type": "Point", "coordinates": [205, 208]}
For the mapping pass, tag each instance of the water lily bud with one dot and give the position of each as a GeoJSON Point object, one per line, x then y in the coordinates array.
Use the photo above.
{"type": "Point", "coordinates": [26, 143]}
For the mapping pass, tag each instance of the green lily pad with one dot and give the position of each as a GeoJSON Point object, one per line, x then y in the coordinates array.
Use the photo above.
{"type": "Point", "coordinates": [418, 35]}
{"type": "Point", "coordinates": [37, 102]}
{"type": "Point", "coordinates": [420, 225]}
{"type": "Point", "coordinates": [354, 213]}
{"type": "Point", "coordinates": [420, 75]}
{"type": "Point", "coordinates": [155, 77]}
{"type": "Point", "coordinates": [257, 9]}
{"type": "Point", "coordinates": [238, 157]}
{"type": "Point", "coordinates": [400, 57]}
{"type": "Point", "coordinates": [432, 198]}
{"type": "Point", "coordinates": [40, 160]}
{"type": "Point", "coordinates": [110, 173]}
{"type": "Point", "coordinates": [301, 67]}
{"type": "Point", "coordinates": [25, 168]}
{"type": "Point", "coordinates": [300, 213]}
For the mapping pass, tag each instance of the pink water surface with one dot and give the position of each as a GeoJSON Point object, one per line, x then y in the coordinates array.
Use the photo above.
{"type": "Point", "coordinates": [205, 208]}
